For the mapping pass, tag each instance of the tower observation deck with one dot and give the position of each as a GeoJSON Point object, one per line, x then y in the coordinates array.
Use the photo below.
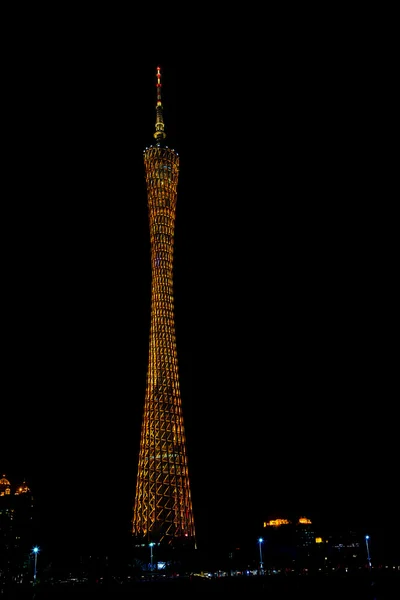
{"type": "Point", "coordinates": [162, 510]}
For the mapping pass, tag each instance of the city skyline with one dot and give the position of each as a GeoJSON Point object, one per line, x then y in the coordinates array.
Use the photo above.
{"type": "Point", "coordinates": [280, 302]}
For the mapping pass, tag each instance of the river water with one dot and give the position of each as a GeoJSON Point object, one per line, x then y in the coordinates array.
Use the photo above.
{"type": "Point", "coordinates": [382, 587]}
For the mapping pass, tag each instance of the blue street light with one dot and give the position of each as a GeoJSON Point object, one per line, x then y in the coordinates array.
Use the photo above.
{"type": "Point", "coordinates": [151, 554]}
{"type": "Point", "coordinates": [368, 556]}
{"type": "Point", "coordinates": [35, 551]}
{"type": "Point", "coordinates": [260, 541]}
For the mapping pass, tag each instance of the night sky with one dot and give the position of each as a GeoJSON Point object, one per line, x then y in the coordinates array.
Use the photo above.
{"type": "Point", "coordinates": [283, 289]}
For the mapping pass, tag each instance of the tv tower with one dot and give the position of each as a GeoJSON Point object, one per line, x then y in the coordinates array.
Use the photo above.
{"type": "Point", "coordinates": [162, 510]}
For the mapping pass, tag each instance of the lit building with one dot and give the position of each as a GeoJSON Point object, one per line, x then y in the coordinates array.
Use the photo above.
{"type": "Point", "coordinates": [162, 512]}
{"type": "Point", "coordinates": [294, 543]}
{"type": "Point", "coordinates": [16, 531]}
{"type": "Point", "coordinates": [5, 487]}
{"type": "Point", "coordinates": [290, 541]}
{"type": "Point", "coordinates": [305, 534]}
{"type": "Point", "coordinates": [343, 548]}
{"type": "Point", "coordinates": [280, 543]}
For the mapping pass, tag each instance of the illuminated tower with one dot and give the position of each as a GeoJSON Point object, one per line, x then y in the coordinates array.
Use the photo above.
{"type": "Point", "coordinates": [162, 510]}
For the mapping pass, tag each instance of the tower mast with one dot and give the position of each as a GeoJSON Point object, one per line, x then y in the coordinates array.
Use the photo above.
{"type": "Point", "coordinates": [162, 510]}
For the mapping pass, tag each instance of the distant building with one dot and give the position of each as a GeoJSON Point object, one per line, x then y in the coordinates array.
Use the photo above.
{"type": "Point", "coordinates": [16, 531]}
{"type": "Point", "coordinates": [289, 542]}
{"type": "Point", "coordinates": [280, 542]}
{"type": "Point", "coordinates": [294, 543]}
{"type": "Point", "coordinates": [343, 548]}
{"type": "Point", "coordinates": [305, 534]}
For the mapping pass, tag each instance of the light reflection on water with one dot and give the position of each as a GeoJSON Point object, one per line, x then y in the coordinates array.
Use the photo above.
{"type": "Point", "coordinates": [295, 588]}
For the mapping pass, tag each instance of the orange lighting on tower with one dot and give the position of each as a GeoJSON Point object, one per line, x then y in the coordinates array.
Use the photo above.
{"type": "Point", "coordinates": [162, 510]}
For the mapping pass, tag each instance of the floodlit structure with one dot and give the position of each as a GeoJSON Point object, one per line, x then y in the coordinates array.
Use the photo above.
{"type": "Point", "coordinates": [162, 512]}
{"type": "Point", "coordinates": [17, 530]}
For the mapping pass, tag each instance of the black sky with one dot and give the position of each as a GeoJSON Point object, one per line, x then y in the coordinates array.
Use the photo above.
{"type": "Point", "coordinates": [283, 289]}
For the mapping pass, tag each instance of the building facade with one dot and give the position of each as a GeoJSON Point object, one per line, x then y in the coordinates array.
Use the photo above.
{"type": "Point", "coordinates": [17, 523]}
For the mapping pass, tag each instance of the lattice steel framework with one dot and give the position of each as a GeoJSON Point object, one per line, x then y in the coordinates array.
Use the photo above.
{"type": "Point", "coordinates": [163, 507]}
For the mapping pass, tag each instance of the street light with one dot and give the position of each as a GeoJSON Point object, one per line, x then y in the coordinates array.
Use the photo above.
{"type": "Point", "coordinates": [368, 556]}
{"type": "Point", "coordinates": [260, 541]}
{"type": "Point", "coordinates": [151, 554]}
{"type": "Point", "coordinates": [35, 551]}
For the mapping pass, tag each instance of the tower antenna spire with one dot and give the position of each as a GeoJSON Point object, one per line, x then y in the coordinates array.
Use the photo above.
{"type": "Point", "coordinates": [159, 133]}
